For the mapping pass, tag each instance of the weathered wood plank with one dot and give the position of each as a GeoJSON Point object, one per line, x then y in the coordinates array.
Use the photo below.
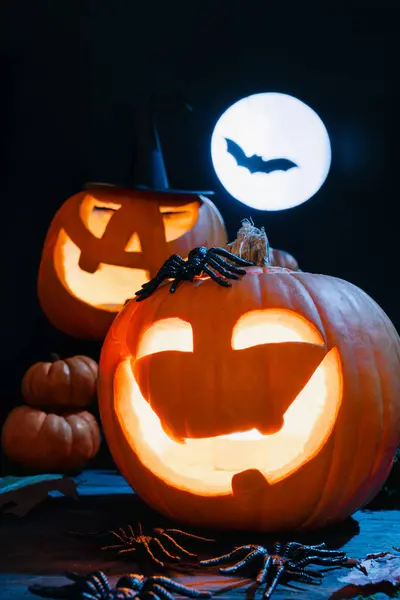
{"type": "Point", "coordinates": [39, 547]}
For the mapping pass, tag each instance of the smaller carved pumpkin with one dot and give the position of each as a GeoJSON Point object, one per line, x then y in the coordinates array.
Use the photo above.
{"type": "Point", "coordinates": [46, 442]}
{"type": "Point", "coordinates": [69, 383]}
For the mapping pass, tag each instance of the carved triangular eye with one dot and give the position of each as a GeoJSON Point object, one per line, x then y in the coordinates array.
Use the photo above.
{"type": "Point", "coordinates": [164, 335]}
{"type": "Point", "coordinates": [178, 220]}
{"type": "Point", "coordinates": [96, 214]}
{"type": "Point", "coordinates": [272, 326]}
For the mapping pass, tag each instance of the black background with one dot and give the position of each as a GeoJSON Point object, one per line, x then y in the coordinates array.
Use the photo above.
{"type": "Point", "coordinates": [72, 71]}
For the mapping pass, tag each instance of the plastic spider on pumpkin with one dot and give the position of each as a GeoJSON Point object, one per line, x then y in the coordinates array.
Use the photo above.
{"type": "Point", "coordinates": [95, 586]}
{"type": "Point", "coordinates": [201, 260]}
{"type": "Point", "coordinates": [286, 561]}
{"type": "Point", "coordinates": [136, 541]}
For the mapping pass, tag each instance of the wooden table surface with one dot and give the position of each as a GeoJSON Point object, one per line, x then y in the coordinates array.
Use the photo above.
{"type": "Point", "coordinates": [40, 547]}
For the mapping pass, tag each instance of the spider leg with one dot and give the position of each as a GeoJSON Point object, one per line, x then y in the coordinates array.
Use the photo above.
{"type": "Point", "coordinates": [114, 547]}
{"type": "Point", "coordinates": [317, 560]}
{"type": "Point", "coordinates": [224, 558]}
{"type": "Point", "coordinates": [263, 573]}
{"type": "Point", "coordinates": [270, 589]}
{"type": "Point", "coordinates": [315, 547]}
{"type": "Point", "coordinates": [303, 576]}
{"type": "Point", "coordinates": [232, 257]}
{"type": "Point", "coordinates": [94, 590]}
{"type": "Point", "coordinates": [95, 585]}
{"type": "Point", "coordinates": [125, 550]}
{"type": "Point", "coordinates": [224, 264]}
{"type": "Point", "coordinates": [165, 272]}
{"type": "Point", "coordinates": [164, 550]}
{"type": "Point", "coordinates": [122, 537]}
{"type": "Point", "coordinates": [189, 535]}
{"type": "Point", "coordinates": [175, 543]}
{"type": "Point", "coordinates": [327, 553]}
{"type": "Point", "coordinates": [277, 549]}
{"type": "Point", "coordinates": [174, 262]}
{"type": "Point", "coordinates": [221, 269]}
{"type": "Point", "coordinates": [148, 288]}
{"type": "Point", "coordinates": [150, 553]}
{"type": "Point", "coordinates": [240, 563]}
{"type": "Point", "coordinates": [216, 277]}
{"type": "Point", "coordinates": [174, 586]}
{"type": "Point", "coordinates": [99, 582]}
{"type": "Point", "coordinates": [170, 269]}
{"type": "Point", "coordinates": [317, 550]}
{"type": "Point", "coordinates": [148, 594]}
{"type": "Point", "coordinates": [174, 284]}
{"type": "Point", "coordinates": [161, 592]}
{"type": "Point", "coordinates": [132, 581]}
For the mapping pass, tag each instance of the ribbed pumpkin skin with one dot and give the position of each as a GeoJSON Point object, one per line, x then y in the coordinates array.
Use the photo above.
{"type": "Point", "coordinates": [141, 214]}
{"type": "Point", "coordinates": [354, 462]}
{"type": "Point", "coordinates": [63, 383]}
{"type": "Point", "coordinates": [50, 443]}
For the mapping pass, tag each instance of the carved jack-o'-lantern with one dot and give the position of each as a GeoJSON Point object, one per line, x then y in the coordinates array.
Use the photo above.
{"type": "Point", "coordinates": [272, 404]}
{"type": "Point", "coordinates": [106, 241]}
{"type": "Point", "coordinates": [103, 244]}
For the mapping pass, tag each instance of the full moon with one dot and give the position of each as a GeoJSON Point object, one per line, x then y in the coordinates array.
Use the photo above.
{"type": "Point", "coordinates": [271, 151]}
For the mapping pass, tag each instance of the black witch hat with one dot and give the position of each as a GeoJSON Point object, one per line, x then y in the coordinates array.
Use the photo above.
{"type": "Point", "coordinates": [149, 172]}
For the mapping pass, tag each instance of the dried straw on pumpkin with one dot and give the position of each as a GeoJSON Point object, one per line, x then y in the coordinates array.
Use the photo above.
{"type": "Point", "coordinates": [251, 244]}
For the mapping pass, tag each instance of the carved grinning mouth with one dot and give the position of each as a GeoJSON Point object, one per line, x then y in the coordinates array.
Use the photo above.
{"type": "Point", "coordinates": [107, 288]}
{"type": "Point", "coordinates": [205, 466]}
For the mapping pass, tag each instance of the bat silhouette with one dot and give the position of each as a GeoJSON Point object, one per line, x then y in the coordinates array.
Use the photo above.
{"type": "Point", "coordinates": [255, 163]}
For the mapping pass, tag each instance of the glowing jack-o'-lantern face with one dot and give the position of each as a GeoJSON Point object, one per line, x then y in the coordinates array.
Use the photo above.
{"type": "Point", "coordinates": [103, 244]}
{"type": "Point", "coordinates": [245, 407]}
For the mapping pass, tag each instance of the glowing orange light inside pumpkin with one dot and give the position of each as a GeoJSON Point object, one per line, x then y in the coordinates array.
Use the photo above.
{"type": "Point", "coordinates": [111, 285]}
{"type": "Point", "coordinates": [178, 220]}
{"type": "Point", "coordinates": [205, 466]}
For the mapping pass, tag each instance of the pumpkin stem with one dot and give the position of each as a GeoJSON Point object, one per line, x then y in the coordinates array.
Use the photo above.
{"type": "Point", "coordinates": [251, 244]}
{"type": "Point", "coordinates": [54, 357]}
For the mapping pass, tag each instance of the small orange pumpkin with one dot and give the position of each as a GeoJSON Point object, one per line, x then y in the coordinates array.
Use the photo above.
{"type": "Point", "coordinates": [281, 258]}
{"type": "Point", "coordinates": [69, 383]}
{"type": "Point", "coordinates": [46, 442]}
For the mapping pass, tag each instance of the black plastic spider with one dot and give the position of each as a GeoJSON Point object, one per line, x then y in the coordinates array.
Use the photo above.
{"type": "Point", "coordinates": [210, 261]}
{"type": "Point", "coordinates": [95, 586]}
{"type": "Point", "coordinates": [132, 541]}
{"type": "Point", "coordinates": [286, 561]}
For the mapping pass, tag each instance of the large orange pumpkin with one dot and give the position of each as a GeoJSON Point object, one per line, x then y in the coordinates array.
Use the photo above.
{"type": "Point", "coordinates": [270, 405]}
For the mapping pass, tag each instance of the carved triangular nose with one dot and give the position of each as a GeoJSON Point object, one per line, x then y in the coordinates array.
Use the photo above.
{"type": "Point", "coordinates": [133, 244]}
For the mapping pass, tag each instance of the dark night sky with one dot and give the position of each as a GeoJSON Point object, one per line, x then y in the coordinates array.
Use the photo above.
{"type": "Point", "coordinates": [73, 70]}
